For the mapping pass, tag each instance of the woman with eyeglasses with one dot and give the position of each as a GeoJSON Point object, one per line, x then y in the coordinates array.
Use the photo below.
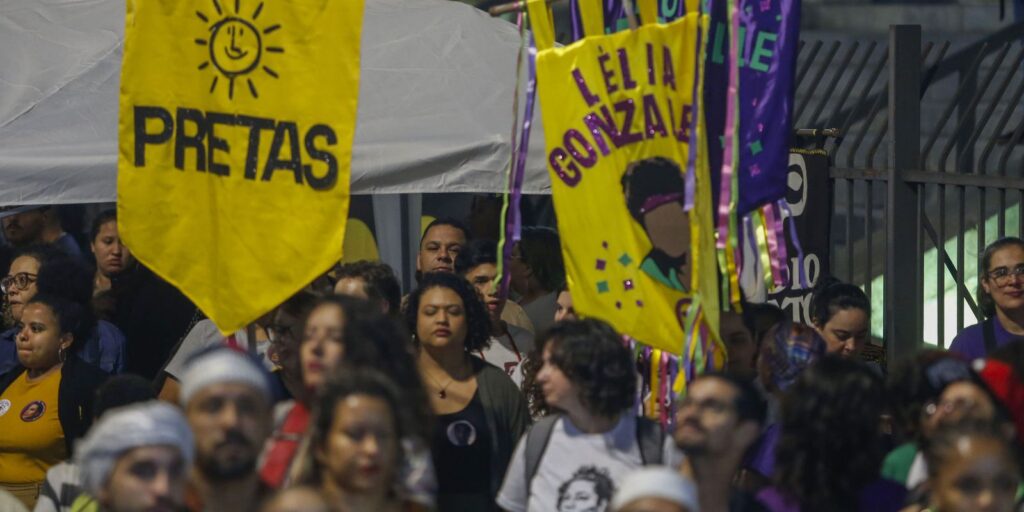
{"type": "Point", "coordinates": [46, 269]}
{"type": "Point", "coordinates": [46, 400]}
{"type": "Point", "coordinates": [1001, 298]}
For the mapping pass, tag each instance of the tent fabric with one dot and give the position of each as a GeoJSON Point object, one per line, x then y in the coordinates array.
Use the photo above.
{"type": "Point", "coordinates": [435, 106]}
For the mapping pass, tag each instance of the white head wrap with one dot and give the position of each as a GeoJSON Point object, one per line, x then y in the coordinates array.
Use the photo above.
{"type": "Point", "coordinates": [657, 482]}
{"type": "Point", "coordinates": [221, 366]}
{"type": "Point", "coordinates": [150, 423]}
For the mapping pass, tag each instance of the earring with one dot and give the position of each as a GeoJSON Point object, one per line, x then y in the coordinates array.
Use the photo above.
{"type": "Point", "coordinates": [62, 354]}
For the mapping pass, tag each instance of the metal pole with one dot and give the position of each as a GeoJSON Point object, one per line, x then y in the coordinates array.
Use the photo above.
{"type": "Point", "coordinates": [903, 291]}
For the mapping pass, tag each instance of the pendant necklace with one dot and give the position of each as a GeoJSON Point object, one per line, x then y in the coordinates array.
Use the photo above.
{"type": "Point", "coordinates": [442, 392]}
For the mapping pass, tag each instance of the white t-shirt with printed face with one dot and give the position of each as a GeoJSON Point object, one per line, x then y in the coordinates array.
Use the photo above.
{"type": "Point", "coordinates": [579, 472]}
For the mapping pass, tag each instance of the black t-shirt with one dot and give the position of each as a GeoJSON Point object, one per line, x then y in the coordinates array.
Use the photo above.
{"type": "Point", "coordinates": [461, 449]}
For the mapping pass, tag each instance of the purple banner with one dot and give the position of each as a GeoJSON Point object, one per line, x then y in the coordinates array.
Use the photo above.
{"type": "Point", "coordinates": [770, 33]}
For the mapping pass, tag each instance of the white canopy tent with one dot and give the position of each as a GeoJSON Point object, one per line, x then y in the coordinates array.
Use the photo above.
{"type": "Point", "coordinates": [434, 108]}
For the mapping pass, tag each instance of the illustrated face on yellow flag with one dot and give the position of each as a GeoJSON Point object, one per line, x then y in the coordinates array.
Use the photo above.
{"type": "Point", "coordinates": [621, 123]}
{"type": "Point", "coordinates": [236, 127]}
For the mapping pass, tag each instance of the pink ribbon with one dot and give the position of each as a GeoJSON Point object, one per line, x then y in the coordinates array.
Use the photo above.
{"type": "Point", "coordinates": [725, 198]}
{"type": "Point", "coordinates": [773, 245]}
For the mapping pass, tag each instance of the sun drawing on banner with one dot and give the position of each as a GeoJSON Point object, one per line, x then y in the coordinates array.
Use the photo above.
{"type": "Point", "coordinates": [236, 46]}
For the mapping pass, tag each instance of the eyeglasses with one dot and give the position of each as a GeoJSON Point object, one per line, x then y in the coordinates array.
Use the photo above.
{"type": "Point", "coordinates": [1002, 275]}
{"type": "Point", "coordinates": [281, 333]}
{"type": "Point", "coordinates": [21, 280]}
{"type": "Point", "coordinates": [960, 404]}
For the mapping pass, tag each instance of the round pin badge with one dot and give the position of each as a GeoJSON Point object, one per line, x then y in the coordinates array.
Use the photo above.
{"type": "Point", "coordinates": [33, 411]}
{"type": "Point", "coordinates": [4, 406]}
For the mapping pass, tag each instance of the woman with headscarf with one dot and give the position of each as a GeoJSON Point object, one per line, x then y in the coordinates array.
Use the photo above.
{"type": "Point", "coordinates": [136, 458]}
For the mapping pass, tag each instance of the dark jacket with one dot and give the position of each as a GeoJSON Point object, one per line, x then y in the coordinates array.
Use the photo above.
{"type": "Point", "coordinates": [507, 416]}
{"type": "Point", "coordinates": [154, 317]}
{"type": "Point", "coordinates": [78, 383]}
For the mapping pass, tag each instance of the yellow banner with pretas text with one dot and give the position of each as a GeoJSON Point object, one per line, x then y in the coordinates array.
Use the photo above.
{"type": "Point", "coordinates": [235, 142]}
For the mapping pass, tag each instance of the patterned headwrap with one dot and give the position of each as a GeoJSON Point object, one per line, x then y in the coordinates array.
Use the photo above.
{"type": "Point", "coordinates": [790, 351]}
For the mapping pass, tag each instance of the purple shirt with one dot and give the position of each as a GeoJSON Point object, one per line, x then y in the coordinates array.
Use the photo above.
{"type": "Point", "coordinates": [879, 496]}
{"type": "Point", "coordinates": [762, 457]}
{"type": "Point", "coordinates": [970, 342]}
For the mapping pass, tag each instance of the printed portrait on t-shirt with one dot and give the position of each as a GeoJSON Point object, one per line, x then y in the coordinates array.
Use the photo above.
{"type": "Point", "coordinates": [655, 193]}
{"type": "Point", "coordinates": [461, 433]}
{"type": "Point", "coordinates": [589, 490]}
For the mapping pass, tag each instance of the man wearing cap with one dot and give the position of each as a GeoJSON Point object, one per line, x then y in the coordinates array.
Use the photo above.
{"type": "Point", "coordinates": [33, 225]}
{"type": "Point", "coordinates": [227, 400]}
{"type": "Point", "coordinates": [135, 459]}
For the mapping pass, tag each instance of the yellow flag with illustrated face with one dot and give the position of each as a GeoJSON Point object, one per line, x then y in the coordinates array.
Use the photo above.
{"type": "Point", "coordinates": [236, 127]}
{"type": "Point", "coordinates": [624, 144]}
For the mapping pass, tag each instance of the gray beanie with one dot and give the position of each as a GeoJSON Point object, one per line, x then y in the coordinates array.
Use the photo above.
{"type": "Point", "coordinates": [222, 365]}
{"type": "Point", "coordinates": [151, 423]}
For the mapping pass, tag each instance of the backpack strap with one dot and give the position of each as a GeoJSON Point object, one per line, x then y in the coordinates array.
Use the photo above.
{"type": "Point", "coordinates": [988, 329]}
{"type": "Point", "coordinates": [651, 438]}
{"type": "Point", "coordinates": [536, 443]}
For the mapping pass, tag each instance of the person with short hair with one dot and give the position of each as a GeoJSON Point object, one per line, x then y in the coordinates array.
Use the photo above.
{"type": "Point", "coordinates": [480, 413]}
{"type": "Point", "coordinates": [842, 315]}
{"type": "Point", "coordinates": [656, 489]}
{"type": "Point", "coordinates": [537, 273]}
{"type": "Point", "coordinates": [1001, 298]}
{"type": "Point", "coordinates": [717, 421]}
{"type": "Point", "coordinates": [440, 245]}
{"type": "Point", "coordinates": [227, 400]}
{"type": "Point", "coordinates": [46, 400]}
{"type": "Point", "coordinates": [355, 448]}
{"type": "Point", "coordinates": [285, 331]}
{"type": "Point", "coordinates": [39, 225]}
{"type": "Point", "coordinates": [137, 458]}
{"type": "Point", "coordinates": [564, 308]}
{"type": "Point", "coordinates": [509, 344]}
{"type": "Point", "coordinates": [371, 281]}
{"type": "Point", "coordinates": [581, 453]}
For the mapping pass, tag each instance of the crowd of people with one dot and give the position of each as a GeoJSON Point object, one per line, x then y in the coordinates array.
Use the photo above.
{"type": "Point", "coordinates": [118, 395]}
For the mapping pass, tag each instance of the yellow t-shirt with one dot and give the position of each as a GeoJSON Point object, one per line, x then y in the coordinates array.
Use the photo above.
{"type": "Point", "coordinates": [31, 438]}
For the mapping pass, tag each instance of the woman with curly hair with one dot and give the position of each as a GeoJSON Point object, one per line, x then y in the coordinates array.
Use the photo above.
{"type": "Point", "coordinates": [830, 449]}
{"type": "Point", "coordinates": [480, 412]}
{"type": "Point", "coordinates": [588, 379]}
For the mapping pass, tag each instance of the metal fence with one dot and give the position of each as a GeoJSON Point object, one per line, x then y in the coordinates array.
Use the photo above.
{"type": "Point", "coordinates": [928, 167]}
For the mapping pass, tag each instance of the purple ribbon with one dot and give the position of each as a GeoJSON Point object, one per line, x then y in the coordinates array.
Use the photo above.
{"type": "Point", "coordinates": [691, 161]}
{"type": "Point", "coordinates": [514, 218]}
{"type": "Point", "coordinates": [795, 238]}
